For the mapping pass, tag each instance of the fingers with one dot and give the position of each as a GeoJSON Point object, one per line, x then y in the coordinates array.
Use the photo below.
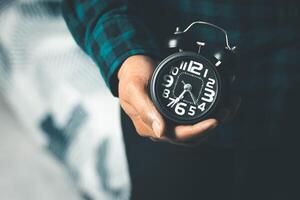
{"type": "Point", "coordinates": [142, 129]}
{"type": "Point", "coordinates": [138, 105]}
{"type": "Point", "coordinates": [185, 132]}
{"type": "Point", "coordinates": [143, 114]}
{"type": "Point", "coordinates": [142, 103]}
{"type": "Point", "coordinates": [134, 76]}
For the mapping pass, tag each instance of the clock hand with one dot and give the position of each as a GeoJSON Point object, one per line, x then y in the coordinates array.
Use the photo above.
{"type": "Point", "coordinates": [181, 96]}
{"type": "Point", "coordinates": [193, 97]}
{"type": "Point", "coordinates": [188, 87]}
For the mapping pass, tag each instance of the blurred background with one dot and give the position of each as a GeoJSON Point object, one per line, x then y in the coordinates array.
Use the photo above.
{"type": "Point", "coordinates": [60, 134]}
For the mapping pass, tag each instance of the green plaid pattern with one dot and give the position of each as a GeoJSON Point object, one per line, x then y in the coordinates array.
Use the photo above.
{"type": "Point", "coordinates": [265, 31]}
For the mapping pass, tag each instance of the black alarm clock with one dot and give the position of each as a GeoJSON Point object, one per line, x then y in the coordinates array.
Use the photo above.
{"type": "Point", "coordinates": [190, 86]}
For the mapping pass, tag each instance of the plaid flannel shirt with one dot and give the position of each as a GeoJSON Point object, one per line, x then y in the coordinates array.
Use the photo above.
{"type": "Point", "coordinates": [265, 31]}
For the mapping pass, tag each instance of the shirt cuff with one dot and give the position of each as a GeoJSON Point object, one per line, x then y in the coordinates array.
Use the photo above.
{"type": "Point", "coordinates": [116, 39]}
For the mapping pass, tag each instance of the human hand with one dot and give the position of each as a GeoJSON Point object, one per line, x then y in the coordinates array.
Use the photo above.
{"type": "Point", "coordinates": [134, 77]}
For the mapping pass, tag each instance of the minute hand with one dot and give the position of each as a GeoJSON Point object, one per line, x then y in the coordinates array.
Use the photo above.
{"type": "Point", "coordinates": [181, 96]}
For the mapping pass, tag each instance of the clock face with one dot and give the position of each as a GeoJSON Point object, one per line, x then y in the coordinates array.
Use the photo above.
{"type": "Point", "coordinates": [185, 87]}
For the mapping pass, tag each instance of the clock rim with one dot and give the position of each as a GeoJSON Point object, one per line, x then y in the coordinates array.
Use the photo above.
{"type": "Point", "coordinates": [156, 101]}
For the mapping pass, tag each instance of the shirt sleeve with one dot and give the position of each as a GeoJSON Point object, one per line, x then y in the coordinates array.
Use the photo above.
{"type": "Point", "coordinates": [109, 31]}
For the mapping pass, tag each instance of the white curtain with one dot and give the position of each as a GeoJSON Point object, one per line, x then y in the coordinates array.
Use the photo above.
{"type": "Point", "coordinates": [43, 74]}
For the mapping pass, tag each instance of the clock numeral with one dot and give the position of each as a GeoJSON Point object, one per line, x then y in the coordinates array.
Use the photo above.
{"type": "Point", "coordinates": [179, 108]}
{"type": "Point", "coordinates": [195, 67]}
{"type": "Point", "coordinates": [168, 80]}
{"type": "Point", "coordinates": [183, 65]}
{"type": "Point", "coordinates": [175, 71]}
{"type": "Point", "coordinates": [209, 93]}
{"type": "Point", "coordinates": [166, 93]}
{"type": "Point", "coordinates": [205, 73]}
{"type": "Point", "coordinates": [210, 83]}
{"type": "Point", "coordinates": [192, 66]}
{"type": "Point", "coordinates": [202, 106]}
{"type": "Point", "coordinates": [192, 111]}
{"type": "Point", "coordinates": [171, 102]}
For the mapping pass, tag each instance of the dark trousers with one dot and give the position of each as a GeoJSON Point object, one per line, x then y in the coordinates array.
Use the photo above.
{"type": "Point", "coordinates": [165, 171]}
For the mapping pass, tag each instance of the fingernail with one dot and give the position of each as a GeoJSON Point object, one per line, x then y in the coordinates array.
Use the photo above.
{"type": "Point", "coordinates": [156, 128]}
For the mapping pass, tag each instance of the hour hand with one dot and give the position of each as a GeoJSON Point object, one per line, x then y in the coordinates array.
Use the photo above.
{"type": "Point", "coordinates": [181, 96]}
